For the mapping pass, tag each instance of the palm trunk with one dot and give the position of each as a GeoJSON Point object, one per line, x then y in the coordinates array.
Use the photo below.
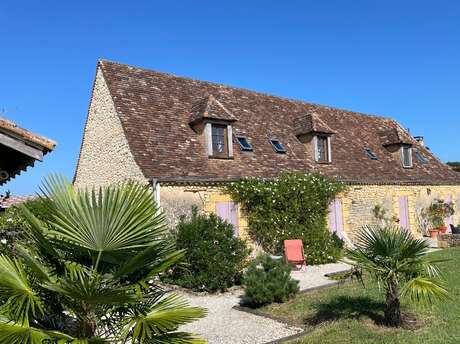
{"type": "Point", "coordinates": [392, 305]}
{"type": "Point", "coordinates": [87, 325]}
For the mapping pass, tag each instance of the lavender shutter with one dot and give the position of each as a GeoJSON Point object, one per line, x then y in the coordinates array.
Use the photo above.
{"type": "Point", "coordinates": [339, 217]}
{"type": "Point", "coordinates": [336, 217]}
{"type": "Point", "coordinates": [234, 217]}
{"type": "Point", "coordinates": [332, 217]}
{"type": "Point", "coordinates": [449, 220]}
{"type": "Point", "coordinates": [404, 212]}
{"type": "Point", "coordinates": [228, 211]}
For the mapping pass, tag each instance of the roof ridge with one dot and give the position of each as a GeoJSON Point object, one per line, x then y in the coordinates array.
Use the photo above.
{"type": "Point", "coordinates": [298, 101]}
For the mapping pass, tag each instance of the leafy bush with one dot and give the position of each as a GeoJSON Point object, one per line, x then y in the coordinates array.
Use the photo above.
{"type": "Point", "coordinates": [13, 225]}
{"type": "Point", "coordinates": [293, 206]}
{"type": "Point", "coordinates": [268, 280]}
{"type": "Point", "coordinates": [214, 258]}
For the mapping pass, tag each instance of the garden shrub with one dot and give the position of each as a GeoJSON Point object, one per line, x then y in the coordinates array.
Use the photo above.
{"type": "Point", "coordinates": [293, 206]}
{"type": "Point", "coordinates": [267, 281]}
{"type": "Point", "coordinates": [214, 258]}
{"type": "Point", "coordinates": [13, 226]}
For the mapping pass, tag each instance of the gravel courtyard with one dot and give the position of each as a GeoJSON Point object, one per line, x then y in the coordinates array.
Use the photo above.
{"type": "Point", "coordinates": [226, 325]}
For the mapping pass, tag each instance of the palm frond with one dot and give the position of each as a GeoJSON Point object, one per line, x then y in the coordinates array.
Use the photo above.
{"type": "Point", "coordinates": [38, 235]}
{"type": "Point", "coordinates": [85, 285]}
{"type": "Point", "coordinates": [164, 317]}
{"type": "Point", "coordinates": [425, 290]}
{"type": "Point", "coordinates": [11, 333]}
{"type": "Point", "coordinates": [16, 294]}
{"type": "Point", "coordinates": [108, 219]}
{"type": "Point", "coordinates": [32, 262]}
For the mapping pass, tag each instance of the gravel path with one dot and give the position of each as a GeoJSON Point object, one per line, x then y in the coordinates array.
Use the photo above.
{"type": "Point", "coordinates": [315, 275]}
{"type": "Point", "coordinates": [225, 325]}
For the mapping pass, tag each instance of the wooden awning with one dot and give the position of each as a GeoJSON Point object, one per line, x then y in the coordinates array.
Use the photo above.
{"type": "Point", "coordinates": [19, 149]}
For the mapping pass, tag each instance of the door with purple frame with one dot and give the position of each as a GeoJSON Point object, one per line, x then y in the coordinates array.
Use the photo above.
{"type": "Point", "coordinates": [336, 217]}
{"type": "Point", "coordinates": [228, 211]}
{"type": "Point", "coordinates": [404, 221]}
{"type": "Point", "coordinates": [449, 220]}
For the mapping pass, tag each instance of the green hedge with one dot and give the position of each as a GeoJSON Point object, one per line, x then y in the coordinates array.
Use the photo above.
{"type": "Point", "coordinates": [293, 206]}
{"type": "Point", "coordinates": [214, 258]}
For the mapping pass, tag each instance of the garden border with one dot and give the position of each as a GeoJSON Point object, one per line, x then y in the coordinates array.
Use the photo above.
{"type": "Point", "coordinates": [305, 330]}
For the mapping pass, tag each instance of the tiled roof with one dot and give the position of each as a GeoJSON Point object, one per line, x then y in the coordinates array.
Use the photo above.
{"type": "Point", "coordinates": [12, 128]}
{"type": "Point", "coordinates": [19, 149]}
{"type": "Point", "coordinates": [10, 201]}
{"type": "Point", "coordinates": [156, 110]}
{"type": "Point", "coordinates": [210, 108]}
{"type": "Point", "coordinates": [311, 123]}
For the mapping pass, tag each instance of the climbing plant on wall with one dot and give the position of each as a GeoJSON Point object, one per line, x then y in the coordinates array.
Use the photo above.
{"type": "Point", "coordinates": [293, 206]}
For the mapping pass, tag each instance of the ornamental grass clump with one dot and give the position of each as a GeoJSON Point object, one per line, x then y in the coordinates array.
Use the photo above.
{"type": "Point", "coordinates": [86, 273]}
{"type": "Point", "coordinates": [267, 280]}
{"type": "Point", "coordinates": [293, 206]}
{"type": "Point", "coordinates": [400, 265]}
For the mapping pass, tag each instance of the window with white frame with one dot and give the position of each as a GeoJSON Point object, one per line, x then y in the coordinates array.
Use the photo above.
{"type": "Point", "coordinates": [219, 140]}
{"type": "Point", "coordinates": [323, 149]}
{"type": "Point", "coordinates": [406, 156]}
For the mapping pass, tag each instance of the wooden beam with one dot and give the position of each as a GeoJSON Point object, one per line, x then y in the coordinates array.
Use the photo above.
{"type": "Point", "coordinates": [21, 147]}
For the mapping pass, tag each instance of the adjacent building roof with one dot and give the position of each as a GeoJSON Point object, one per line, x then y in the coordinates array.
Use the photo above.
{"type": "Point", "coordinates": [19, 149]}
{"type": "Point", "coordinates": [9, 201]}
{"type": "Point", "coordinates": [156, 110]}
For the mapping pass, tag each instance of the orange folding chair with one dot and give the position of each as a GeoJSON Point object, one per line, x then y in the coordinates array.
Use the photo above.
{"type": "Point", "coordinates": [293, 252]}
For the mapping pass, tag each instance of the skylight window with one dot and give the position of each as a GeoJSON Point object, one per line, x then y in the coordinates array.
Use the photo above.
{"type": "Point", "coordinates": [370, 154]}
{"type": "Point", "coordinates": [277, 146]}
{"type": "Point", "coordinates": [420, 157]}
{"type": "Point", "coordinates": [244, 143]}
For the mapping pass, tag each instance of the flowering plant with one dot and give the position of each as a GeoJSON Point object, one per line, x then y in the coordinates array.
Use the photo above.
{"type": "Point", "coordinates": [438, 211]}
{"type": "Point", "coordinates": [292, 206]}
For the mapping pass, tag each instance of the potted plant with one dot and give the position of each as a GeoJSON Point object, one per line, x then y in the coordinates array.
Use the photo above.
{"type": "Point", "coordinates": [436, 213]}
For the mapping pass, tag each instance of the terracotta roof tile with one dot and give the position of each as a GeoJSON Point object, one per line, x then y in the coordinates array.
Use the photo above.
{"type": "Point", "coordinates": [156, 108]}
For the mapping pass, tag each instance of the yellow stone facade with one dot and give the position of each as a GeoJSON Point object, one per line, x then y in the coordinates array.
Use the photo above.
{"type": "Point", "coordinates": [357, 203]}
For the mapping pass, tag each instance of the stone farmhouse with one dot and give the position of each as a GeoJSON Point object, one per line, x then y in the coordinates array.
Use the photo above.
{"type": "Point", "coordinates": [186, 138]}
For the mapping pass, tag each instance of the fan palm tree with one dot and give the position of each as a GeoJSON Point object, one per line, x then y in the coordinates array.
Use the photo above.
{"type": "Point", "coordinates": [400, 264]}
{"type": "Point", "coordinates": [88, 276]}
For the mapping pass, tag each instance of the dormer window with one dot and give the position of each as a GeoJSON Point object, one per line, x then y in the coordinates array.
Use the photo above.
{"type": "Point", "coordinates": [322, 149]}
{"type": "Point", "coordinates": [406, 156]}
{"type": "Point", "coordinates": [219, 140]}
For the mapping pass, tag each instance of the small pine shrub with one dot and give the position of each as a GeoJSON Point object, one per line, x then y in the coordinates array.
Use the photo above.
{"type": "Point", "coordinates": [214, 258]}
{"type": "Point", "coordinates": [267, 281]}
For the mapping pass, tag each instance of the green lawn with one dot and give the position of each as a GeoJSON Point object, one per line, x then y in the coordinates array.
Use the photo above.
{"type": "Point", "coordinates": [351, 314]}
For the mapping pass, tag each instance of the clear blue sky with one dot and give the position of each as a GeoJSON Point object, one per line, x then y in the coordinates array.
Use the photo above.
{"type": "Point", "coordinates": [394, 58]}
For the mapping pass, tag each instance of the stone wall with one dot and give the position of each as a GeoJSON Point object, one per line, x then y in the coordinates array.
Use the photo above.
{"type": "Point", "coordinates": [358, 203]}
{"type": "Point", "coordinates": [177, 201]}
{"type": "Point", "coordinates": [448, 240]}
{"type": "Point", "coordinates": [105, 157]}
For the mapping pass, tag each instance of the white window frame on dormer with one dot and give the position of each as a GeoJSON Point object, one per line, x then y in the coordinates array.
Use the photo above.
{"type": "Point", "coordinates": [329, 149]}
{"type": "Point", "coordinates": [208, 135]}
{"type": "Point", "coordinates": [411, 163]}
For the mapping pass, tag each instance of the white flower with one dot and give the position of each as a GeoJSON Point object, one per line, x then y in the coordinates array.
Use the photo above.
{"type": "Point", "coordinates": [3, 241]}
